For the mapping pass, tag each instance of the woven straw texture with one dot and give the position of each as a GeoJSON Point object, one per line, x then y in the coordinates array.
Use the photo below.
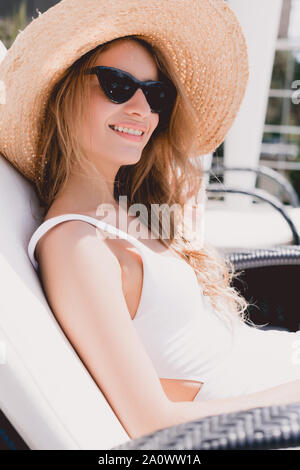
{"type": "Point", "coordinates": [202, 38]}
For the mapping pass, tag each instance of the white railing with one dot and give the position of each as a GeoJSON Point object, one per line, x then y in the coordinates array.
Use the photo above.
{"type": "Point", "coordinates": [260, 23]}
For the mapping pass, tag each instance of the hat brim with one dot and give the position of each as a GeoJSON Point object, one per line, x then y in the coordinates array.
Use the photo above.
{"type": "Point", "coordinates": [203, 39]}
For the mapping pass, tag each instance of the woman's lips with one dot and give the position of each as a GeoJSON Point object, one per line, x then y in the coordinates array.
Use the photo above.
{"type": "Point", "coordinates": [134, 138]}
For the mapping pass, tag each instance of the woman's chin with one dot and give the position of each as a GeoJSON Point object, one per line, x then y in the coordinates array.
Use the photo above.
{"type": "Point", "coordinates": [131, 160]}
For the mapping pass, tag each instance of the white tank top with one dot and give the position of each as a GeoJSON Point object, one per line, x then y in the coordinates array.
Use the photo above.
{"type": "Point", "coordinates": [183, 335]}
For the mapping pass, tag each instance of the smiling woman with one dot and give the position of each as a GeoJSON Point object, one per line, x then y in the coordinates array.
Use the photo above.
{"type": "Point", "coordinates": [107, 164]}
{"type": "Point", "coordinates": [137, 111]}
{"type": "Point", "coordinates": [156, 322]}
{"type": "Point", "coordinates": [103, 110]}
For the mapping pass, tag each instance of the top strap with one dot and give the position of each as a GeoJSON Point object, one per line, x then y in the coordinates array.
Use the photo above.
{"type": "Point", "coordinates": [48, 224]}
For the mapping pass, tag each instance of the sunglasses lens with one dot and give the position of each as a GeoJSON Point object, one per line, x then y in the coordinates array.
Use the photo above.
{"type": "Point", "coordinates": [160, 97]}
{"type": "Point", "coordinates": [116, 86]}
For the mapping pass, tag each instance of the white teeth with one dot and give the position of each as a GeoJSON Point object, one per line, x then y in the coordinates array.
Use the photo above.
{"type": "Point", "coordinates": [128, 130]}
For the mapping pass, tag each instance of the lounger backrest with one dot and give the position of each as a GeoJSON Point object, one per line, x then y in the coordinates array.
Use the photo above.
{"type": "Point", "coordinates": [46, 391]}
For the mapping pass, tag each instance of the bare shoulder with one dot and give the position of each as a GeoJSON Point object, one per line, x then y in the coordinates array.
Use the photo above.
{"type": "Point", "coordinates": [74, 238]}
{"type": "Point", "coordinates": [73, 253]}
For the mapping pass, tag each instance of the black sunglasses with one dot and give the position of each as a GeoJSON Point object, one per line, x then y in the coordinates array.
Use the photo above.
{"type": "Point", "coordinates": [119, 86]}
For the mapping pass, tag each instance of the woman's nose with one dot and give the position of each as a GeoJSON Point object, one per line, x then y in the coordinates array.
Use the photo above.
{"type": "Point", "coordinates": [138, 102]}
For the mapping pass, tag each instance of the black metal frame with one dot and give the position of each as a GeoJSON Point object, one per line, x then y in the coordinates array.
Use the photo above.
{"type": "Point", "coordinates": [264, 196]}
{"type": "Point", "coordinates": [260, 170]}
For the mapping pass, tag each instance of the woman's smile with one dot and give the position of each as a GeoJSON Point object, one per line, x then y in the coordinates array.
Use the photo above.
{"type": "Point", "coordinates": [134, 138]}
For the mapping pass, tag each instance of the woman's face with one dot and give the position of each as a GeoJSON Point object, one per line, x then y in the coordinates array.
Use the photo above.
{"type": "Point", "coordinates": [108, 149]}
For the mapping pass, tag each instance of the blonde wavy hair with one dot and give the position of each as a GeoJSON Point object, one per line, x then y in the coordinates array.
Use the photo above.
{"type": "Point", "coordinates": [167, 174]}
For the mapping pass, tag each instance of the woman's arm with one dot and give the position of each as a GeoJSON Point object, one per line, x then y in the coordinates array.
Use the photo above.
{"type": "Point", "coordinates": [283, 394]}
{"type": "Point", "coordinates": [82, 280]}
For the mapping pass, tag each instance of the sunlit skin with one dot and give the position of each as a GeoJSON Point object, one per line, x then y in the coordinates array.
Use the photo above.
{"type": "Point", "coordinates": [107, 150]}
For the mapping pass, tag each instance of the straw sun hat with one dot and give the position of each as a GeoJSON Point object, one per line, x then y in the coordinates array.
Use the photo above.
{"type": "Point", "coordinates": [202, 38]}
